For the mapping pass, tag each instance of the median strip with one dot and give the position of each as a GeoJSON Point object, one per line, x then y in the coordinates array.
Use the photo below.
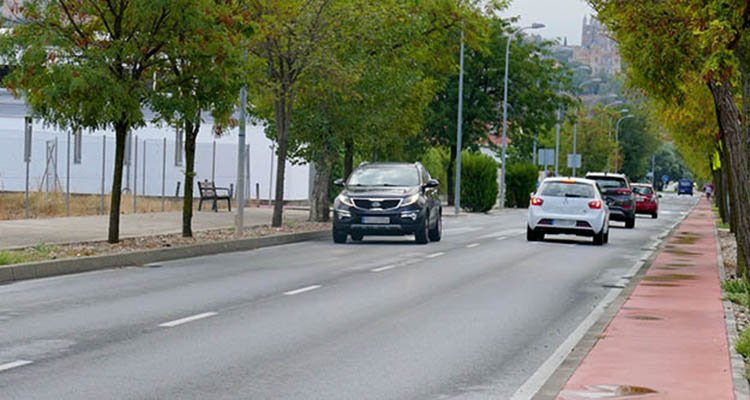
{"type": "Point", "coordinates": [14, 364]}
{"type": "Point", "coordinates": [302, 290]}
{"type": "Point", "coordinates": [172, 324]}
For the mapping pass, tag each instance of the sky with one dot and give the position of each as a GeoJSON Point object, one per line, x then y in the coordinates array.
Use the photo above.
{"type": "Point", "coordinates": [563, 18]}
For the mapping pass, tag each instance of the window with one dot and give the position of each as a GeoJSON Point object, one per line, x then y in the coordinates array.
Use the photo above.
{"type": "Point", "coordinates": [562, 189]}
{"type": "Point", "coordinates": [385, 176]}
{"type": "Point", "coordinates": [643, 190]}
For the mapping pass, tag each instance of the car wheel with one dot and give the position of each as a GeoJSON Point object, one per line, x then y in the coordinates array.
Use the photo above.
{"type": "Point", "coordinates": [357, 237]}
{"type": "Point", "coordinates": [606, 237]}
{"type": "Point", "coordinates": [630, 223]}
{"type": "Point", "coordinates": [532, 235]}
{"type": "Point", "coordinates": [655, 215]}
{"type": "Point", "coordinates": [436, 233]}
{"type": "Point", "coordinates": [339, 236]}
{"type": "Point", "coordinates": [421, 236]}
{"type": "Point", "coordinates": [599, 238]}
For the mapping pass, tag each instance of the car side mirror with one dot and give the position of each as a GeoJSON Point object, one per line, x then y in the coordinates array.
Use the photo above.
{"type": "Point", "coordinates": [432, 183]}
{"type": "Point", "coordinates": [339, 182]}
{"type": "Point", "coordinates": [660, 195]}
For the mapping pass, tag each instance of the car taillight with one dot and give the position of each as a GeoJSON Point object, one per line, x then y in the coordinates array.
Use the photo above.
{"type": "Point", "coordinates": [595, 204]}
{"type": "Point", "coordinates": [537, 201]}
{"type": "Point", "coordinates": [623, 192]}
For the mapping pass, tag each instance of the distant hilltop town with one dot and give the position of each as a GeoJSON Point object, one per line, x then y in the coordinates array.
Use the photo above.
{"type": "Point", "coordinates": [597, 49]}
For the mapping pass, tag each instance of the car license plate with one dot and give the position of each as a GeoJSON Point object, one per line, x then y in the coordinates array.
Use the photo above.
{"type": "Point", "coordinates": [376, 220]}
{"type": "Point", "coordinates": [564, 222]}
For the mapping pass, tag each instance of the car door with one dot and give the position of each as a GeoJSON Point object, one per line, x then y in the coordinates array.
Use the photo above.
{"type": "Point", "coordinates": [431, 195]}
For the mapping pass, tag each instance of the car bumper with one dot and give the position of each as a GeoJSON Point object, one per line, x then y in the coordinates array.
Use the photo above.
{"type": "Point", "coordinates": [620, 214]}
{"type": "Point", "coordinates": [403, 221]}
{"type": "Point", "coordinates": [565, 224]}
{"type": "Point", "coordinates": [646, 207]}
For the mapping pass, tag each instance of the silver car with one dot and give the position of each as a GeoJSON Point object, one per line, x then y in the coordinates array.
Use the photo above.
{"type": "Point", "coordinates": [569, 206]}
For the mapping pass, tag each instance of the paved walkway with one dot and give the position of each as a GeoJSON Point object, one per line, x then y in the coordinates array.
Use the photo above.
{"type": "Point", "coordinates": [669, 340]}
{"type": "Point", "coordinates": [30, 232]}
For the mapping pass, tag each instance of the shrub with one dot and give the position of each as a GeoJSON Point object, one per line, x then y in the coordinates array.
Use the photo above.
{"type": "Point", "coordinates": [436, 162]}
{"type": "Point", "coordinates": [520, 180]}
{"type": "Point", "coordinates": [743, 343]}
{"type": "Point", "coordinates": [478, 182]}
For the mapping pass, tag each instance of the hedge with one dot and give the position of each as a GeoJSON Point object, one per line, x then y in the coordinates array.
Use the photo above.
{"type": "Point", "coordinates": [478, 182]}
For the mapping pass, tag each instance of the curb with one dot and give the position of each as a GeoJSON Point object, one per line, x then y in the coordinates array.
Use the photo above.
{"type": "Point", "coordinates": [551, 388]}
{"type": "Point", "coordinates": [45, 269]}
{"type": "Point", "coordinates": [741, 385]}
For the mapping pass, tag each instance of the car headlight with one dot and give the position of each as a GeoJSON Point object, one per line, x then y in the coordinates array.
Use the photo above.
{"type": "Point", "coordinates": [410, 200]}
{"type": "Point", "coordinates": [345, 200]}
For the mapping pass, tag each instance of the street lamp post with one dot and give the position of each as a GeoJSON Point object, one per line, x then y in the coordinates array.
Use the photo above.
{"type": "Point", "coordinates": [505, 108]}
{"type": "Point", "coordinates": [459, 133]}
{"type": "Point", "coordinates": [617, 140]}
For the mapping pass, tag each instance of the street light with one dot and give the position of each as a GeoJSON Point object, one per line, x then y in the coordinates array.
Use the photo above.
{"type": "Point", "coordinates": [617, 137]}
{"type": "Point", "coordinates": [504, 143]}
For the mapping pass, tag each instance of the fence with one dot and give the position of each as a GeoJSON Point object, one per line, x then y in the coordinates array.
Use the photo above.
{"type": "Point", "coordinates": [154, 163]}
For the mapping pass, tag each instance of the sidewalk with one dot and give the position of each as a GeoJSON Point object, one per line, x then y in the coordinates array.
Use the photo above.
{"type": "Point", "coordinates": [30, 232]}
{"type": "Point", "coordinates": [669, 340]}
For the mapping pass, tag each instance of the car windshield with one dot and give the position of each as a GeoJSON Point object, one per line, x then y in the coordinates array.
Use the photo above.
{"type": "Point", "coordinates": [611, 183]}
{"type": "Point", "coordinates": [563, 189]}
{"type": "Point", "coordinates": [642, 190]}
{"type": "Point", "coordinates": [385, 176]}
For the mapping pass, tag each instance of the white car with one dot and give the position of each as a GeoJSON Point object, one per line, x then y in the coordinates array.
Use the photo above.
{"type": "Point", "coordinates": [569, 206]}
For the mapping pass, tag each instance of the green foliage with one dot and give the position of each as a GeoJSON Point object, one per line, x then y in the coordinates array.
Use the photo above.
{"type": "Point", "coordinates": [478, 182]}
{"type": "Point", "coordinates": [743, 343]}
{"type": "Point", "coordinates": [436, 161]}
{"type": "Point", "coordinates": [520, 180]}
{"type": "Point", "coordinates": [737, 291]}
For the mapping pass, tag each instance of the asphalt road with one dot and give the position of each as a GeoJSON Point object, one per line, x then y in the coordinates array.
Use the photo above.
{"type": "Point", "coordinates": [471, 317]}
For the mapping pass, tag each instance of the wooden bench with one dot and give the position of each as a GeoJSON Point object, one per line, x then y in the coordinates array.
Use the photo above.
{"type": "Point", "coordinates": [210, 192]}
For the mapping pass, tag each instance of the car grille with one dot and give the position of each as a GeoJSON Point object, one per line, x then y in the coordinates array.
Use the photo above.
{"type": "Point", "coordinates": [369, 204]}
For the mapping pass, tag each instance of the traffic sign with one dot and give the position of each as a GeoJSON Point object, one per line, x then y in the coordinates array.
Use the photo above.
{"type": "Point", "coordinates": [546, 157]}
{"type": "Point", "coordinates": [665, 178]}
{"type": "Point", "coordinates": [574, 161]}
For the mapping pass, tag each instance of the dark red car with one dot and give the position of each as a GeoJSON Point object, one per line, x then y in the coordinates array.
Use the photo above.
{"type": "Point", "coordinates": [646, 199]}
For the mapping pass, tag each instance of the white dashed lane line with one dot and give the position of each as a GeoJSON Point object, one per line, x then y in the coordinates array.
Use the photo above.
{"type": "Point", "coordinates": [302, 290]}
{"type": "Point", "coordinates": [435, 255]}
{"type": "Point", "coordinates": [381, 269]}
{"type": "Point", "coordinates": [471, 246]}
{"type": "Point", "coordinates": [14, 364]}
{"type": "Point", "coordinates": [172, 324]}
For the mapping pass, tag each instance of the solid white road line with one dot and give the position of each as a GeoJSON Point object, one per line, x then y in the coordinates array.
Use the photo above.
{"type": "Point", "coordinates": [172, 324]}
{"type": "Point", "coordinates": [381, 269]}
{"type": "Point", "coordinates": [302, 290]}
{"type": "Point", "coordinates": [471, 246]}
{"type": "Point", "coordinates": [14, 364]}
{"type": "Point", "coordinates": [435, 255]}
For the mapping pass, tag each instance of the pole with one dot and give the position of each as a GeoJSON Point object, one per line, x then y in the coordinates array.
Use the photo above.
{"type": "Point", "coordinates": [163, 174]}
{"type": "Point", "coordinates": [505, 122]}
{"type": "Point", "coordinates": [240, 223]}
{"type": "Point", "coordinates": [135, 176]}
{"type": "Point", "coordinates": [213, 164]}
{"type": "Point", "coordinates": [557, 143]}
{"type": "Point", "coordinates": [67, 180]}
{"type": "Point", "coordinates": [104, 171]}
{"type": "Point", "coordinates": [575, 135]}
{"type": "Point", "coordinates": [617, 141]}
{"type": "Point", "coordinates": [270, 179]}
{"type": "Point", "coordinates": [533, 153]}
{"type": "Point", "coordinates": [27, 159]}
{"type": "Point", "coordinates": [653, 171]}
{"type": "Point", "coordinates": [143, 192]}
{"type": "Point", "coordinates": [459, 128]}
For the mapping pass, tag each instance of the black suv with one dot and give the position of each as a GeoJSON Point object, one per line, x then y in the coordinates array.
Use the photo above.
{"type": "Point", "coordinates": [388, 199]}
{"type": "Point", "coordinates": [618, 194]}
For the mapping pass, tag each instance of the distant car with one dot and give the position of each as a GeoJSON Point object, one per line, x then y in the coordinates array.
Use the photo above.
{"type": "Point", "coordinates": [618, 194]}
{"type": "Point", "coordinates": [388, 199]}
{"type": "Point", "coordinates": [570, 206]}
{"type": "Point", "coordinates": [646, 199]}
{"type": "Point", "coordinates": [685, 186]}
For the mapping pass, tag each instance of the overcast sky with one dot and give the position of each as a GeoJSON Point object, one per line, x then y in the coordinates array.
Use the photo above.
{"type": "Point", "coordinates": [562, 17]}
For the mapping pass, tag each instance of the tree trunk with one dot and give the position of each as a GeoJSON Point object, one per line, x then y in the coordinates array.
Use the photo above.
{"type": "Point", "coordinates": [348, 157]}
{"type": "Point", "coordinates": [451, 177]}
{"type": "Point", "coordinates": [320, 207]}
{"type": "Point", "coordinates": [735, 140]}
{"type": "Point", "coordinates": [718, 178]}
{"type": "Point", "coordinates": [121, 136]}
{"type": "Point", "coordinates": [283, 111]}
{"type": "Point", "coordinates": [191, 134]}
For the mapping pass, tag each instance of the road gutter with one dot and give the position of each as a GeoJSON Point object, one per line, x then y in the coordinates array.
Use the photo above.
{"type": "Point", "coordinates": [547, 381]}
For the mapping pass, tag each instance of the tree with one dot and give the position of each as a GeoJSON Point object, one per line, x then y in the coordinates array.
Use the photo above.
{"type": "Point", "coordinates": [293, 40]}
{"type": "Point", "coordinates": [202, 71]}
{"type": "Point", "coordinates": [88, 64]}
{"type": "Point", "coordinates": [536, 82]}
